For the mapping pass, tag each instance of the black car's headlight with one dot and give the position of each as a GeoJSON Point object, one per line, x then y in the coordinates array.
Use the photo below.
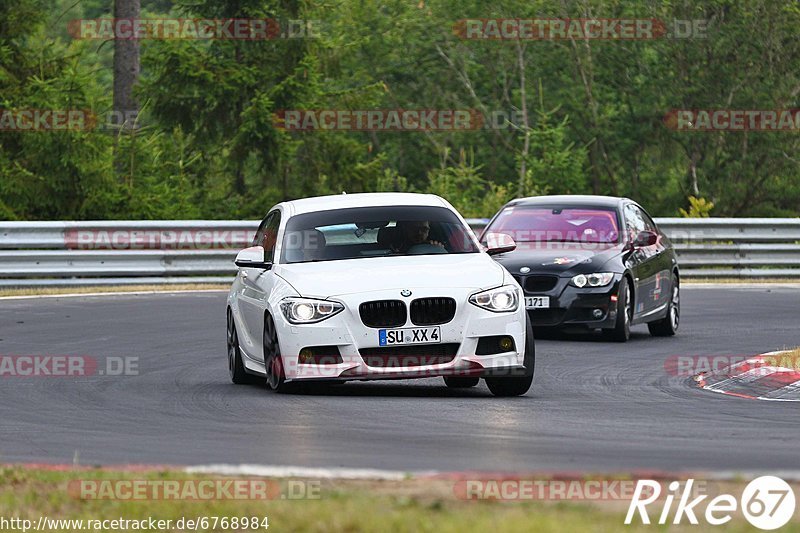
{"type": "Point", "coordinates": [499, 300]}
{"type": "Point", "coordinates": [308, 310]}
{"type": "Point", "coordinates": [597, 279]}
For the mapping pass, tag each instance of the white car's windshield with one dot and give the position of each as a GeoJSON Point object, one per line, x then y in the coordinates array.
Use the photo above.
{"type": "Point", "coordinates": [375, 232]}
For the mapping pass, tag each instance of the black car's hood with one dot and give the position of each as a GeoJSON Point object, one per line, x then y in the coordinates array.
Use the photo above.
{"type": "Point", "coordinates": [567, 259]}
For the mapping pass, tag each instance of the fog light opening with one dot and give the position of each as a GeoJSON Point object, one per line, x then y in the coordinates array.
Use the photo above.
{"type": "Point", "coordinates": [495, 344]}
{"type": "Point", "coordinates": [319, 355]}
{"type": "Point", "coordinates": [597, 313]}
{"type": "Point", "coordinates": [507, 343]}
{"type": "Point", "coordinates": [306, 356]}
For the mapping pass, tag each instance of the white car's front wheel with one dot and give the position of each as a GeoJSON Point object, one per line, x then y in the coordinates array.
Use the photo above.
{"type": "Point", "coordinates": [460, 383]}
{"type": "Point", "coordinates": [517, 385]}
{"type": "Point", "coordinates": [273, 362]}
{"type": "Point", "coordinates": [235, 363]}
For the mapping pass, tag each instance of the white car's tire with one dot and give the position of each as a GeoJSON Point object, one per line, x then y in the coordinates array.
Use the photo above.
{"type": "Point", "coordinates": [460, 383]}
{"type": "Point", "coordinates": [235, 363]}
{"type": "Point", "coordinates": [517, 385]}
{"type": "Point", "coordinates": [273, 362]}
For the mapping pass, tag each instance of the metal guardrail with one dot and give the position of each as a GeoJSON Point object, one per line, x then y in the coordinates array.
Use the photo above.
{"type": "Point", "coordinates": [202, 251]}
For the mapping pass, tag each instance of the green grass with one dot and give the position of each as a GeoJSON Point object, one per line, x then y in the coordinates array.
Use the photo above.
{"type": "Point", "coordinates": [411, 505]}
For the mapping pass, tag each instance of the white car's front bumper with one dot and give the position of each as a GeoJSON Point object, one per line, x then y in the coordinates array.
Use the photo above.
{"type": "Point", "coordinates": [349, 335]}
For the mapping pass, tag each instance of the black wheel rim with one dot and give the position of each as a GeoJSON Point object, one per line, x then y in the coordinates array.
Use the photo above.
{"type": "Point", "coordinates": [627, 308]}
{"type": "Point", "coordinates": [272, 359]}
{"type": "Point", "coordinates": [232, 341]}
{"type": "Point", "coordinates": [675, 306]}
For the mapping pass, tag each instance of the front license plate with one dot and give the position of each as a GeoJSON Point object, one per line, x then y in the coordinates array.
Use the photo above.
{"type": "Point", "coordinates": [537, 302]}
{"type": "Point", "coordinates": [392, 337]}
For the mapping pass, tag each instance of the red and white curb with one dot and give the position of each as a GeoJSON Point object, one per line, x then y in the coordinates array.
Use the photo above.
{"type": "Point", "coordinates": [773, 376]}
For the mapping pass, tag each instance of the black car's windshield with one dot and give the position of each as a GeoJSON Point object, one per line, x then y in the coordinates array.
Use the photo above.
{"type": "Point", "coordinates": [558, 224]}
{"type": "Point", "coordinates": [374, 232]}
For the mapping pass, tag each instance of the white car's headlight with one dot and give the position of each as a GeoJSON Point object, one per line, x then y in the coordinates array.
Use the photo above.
{"type": "Point", "coordinates": [499, 300]}
{"type": "Point", "coordinates": [307, 310]}
{"type": "Point", "coordinates": [597, 279]}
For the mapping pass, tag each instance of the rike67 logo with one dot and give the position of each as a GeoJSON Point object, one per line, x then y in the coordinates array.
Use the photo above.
{"type": "Point", "coordinates": [767, 502]}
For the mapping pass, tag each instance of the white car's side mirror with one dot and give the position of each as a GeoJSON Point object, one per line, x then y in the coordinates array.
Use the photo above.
{"type": "Point", "coordinates": [252, 257]}
{"type": "Point", "coordinates": [497, 243]}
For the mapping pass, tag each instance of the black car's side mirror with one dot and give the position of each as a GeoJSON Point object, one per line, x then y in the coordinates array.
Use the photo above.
{"type": "Point", "coordinates": [645, 238]}
{"type": "Point", "coordinates": [252, 257]}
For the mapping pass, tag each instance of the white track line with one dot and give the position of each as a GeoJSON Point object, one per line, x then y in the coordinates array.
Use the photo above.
{"type": "Point", "coordinates": [687, 284]}
{"type": "Point", "coordinates": [305, 472]}
{"type": "Point", "coordinates": [396, 475]}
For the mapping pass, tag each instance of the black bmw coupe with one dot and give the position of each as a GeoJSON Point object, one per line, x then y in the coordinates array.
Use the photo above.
{"type": "Point", "coordinates": [594, 261]}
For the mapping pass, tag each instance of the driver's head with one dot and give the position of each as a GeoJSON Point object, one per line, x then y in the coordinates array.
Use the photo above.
{"type": "Point", "coordinates": [415, 231]}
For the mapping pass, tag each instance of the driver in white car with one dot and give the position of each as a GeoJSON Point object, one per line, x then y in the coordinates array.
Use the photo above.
{"type": "Point", "coordinates": [413, 233]}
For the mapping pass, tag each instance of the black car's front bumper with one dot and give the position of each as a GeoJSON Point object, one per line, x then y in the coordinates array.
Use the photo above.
{"type": "Point", "coordinates": [570, 305]}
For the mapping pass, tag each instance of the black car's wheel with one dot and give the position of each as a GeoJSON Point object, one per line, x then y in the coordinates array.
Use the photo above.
{"type": "Point", "coordinates": [235, 364]}
{"type": "Point", "coordinates": [668, 326]}
{"type": "Point", "coordinates": [621, 331]}
{"type": "Point", "coordinates": [460, 383]}
{"type": "Point", "coordinates": [273, 362]}
{"type": "Point", "coordinates": [517, 385]}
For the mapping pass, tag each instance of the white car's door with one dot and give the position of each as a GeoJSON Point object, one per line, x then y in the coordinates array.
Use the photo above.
{"type": "Point", "coordinates": [256, 286]}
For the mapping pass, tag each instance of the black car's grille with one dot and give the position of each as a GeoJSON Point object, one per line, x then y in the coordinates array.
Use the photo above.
{"type": "Point", "coordinates": [383, 313]}
{"type": "Point", "coordinates": [431, 311]}
{"type": "Point", "coordinates": [540, 283]}
{"type": "Point", "coordinates": [410, 355]}
{"type": "Point", "coordinates": [547, 317]}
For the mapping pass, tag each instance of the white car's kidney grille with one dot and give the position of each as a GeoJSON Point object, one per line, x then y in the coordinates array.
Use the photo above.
{"type": "Point", "coordinates": [432, 311]}
{"type": "Point", "coordinates": [383, 313]}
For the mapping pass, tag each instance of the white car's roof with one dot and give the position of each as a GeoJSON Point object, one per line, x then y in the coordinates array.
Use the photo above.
{"type": "Point", "coordinates": [374, 199]}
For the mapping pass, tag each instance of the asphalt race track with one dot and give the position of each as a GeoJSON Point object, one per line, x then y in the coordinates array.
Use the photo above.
{"type": "Point", "coordinates": [595, 405]}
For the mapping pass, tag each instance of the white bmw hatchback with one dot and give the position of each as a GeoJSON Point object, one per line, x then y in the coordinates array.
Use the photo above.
{"type": "Point", "coordinates": [376, 286]}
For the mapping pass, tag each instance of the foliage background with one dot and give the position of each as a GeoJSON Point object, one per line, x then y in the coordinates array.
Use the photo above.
{"type": "Point", "coordinates": [207, 147]}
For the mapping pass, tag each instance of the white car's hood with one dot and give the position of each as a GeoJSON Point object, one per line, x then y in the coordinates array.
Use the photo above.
{"type": "Point", "coordinates": [333, 278]}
